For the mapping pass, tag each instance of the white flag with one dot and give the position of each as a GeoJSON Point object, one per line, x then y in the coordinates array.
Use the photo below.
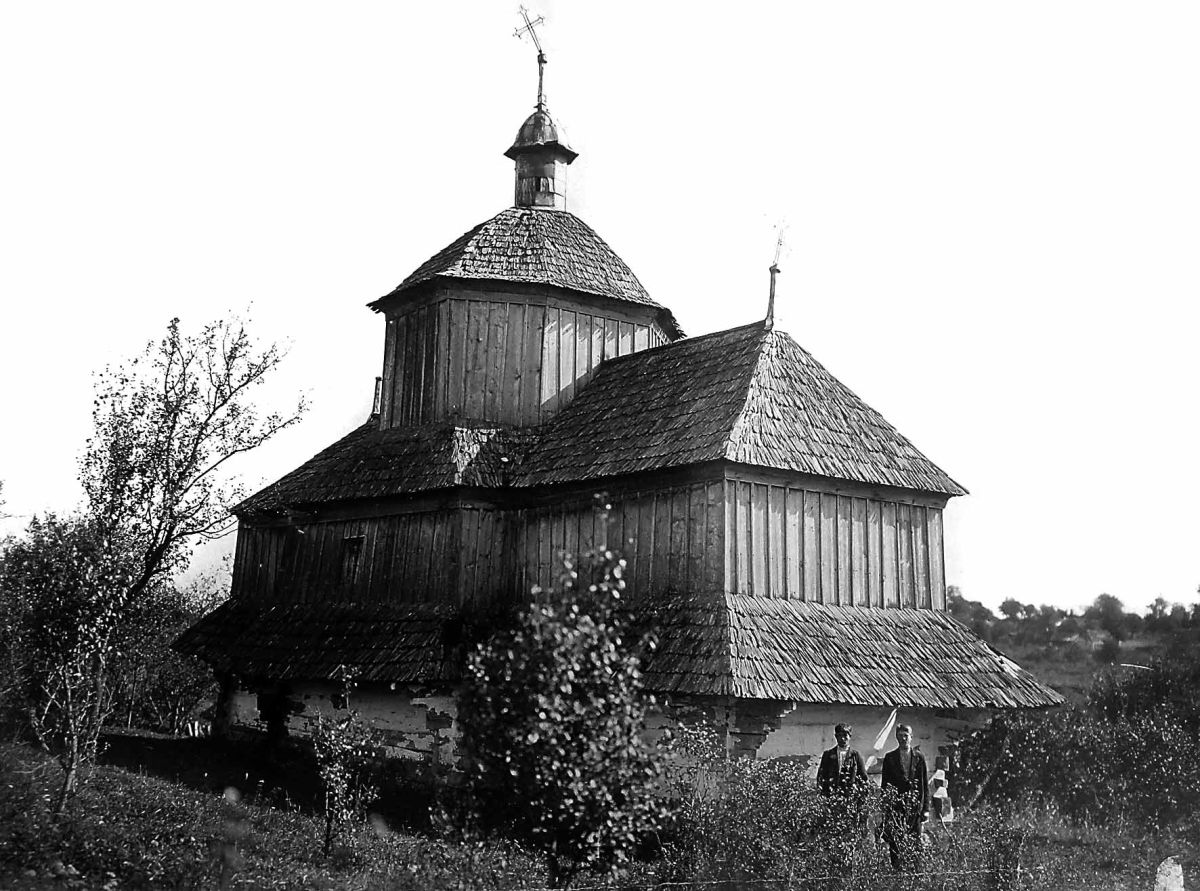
{"type": "Point", "coordinates": [881, 740]}
{"type": "Point", "coordinates": [885, 734]}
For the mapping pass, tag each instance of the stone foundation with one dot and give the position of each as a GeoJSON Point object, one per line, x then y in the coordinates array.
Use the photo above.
{"type": "Point", "coordinates": [420, 724]}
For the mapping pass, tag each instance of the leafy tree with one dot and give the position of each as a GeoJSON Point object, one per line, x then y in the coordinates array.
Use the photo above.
{"type": "Point", "coordinates": [553, 715]}
{"type": "Point", "coordinates": [1012, 609]}
{"type": "Point", "coordinates": [153, 686]}
{"type": "Point", "coordinates": [1156, 612]}
{"type": "Point", "coordinates": [1179, 617]}
{"type": "Point", "coordinates": [971, 613]}
{"type": "Point", "coordinates": [165, 427]}
{"type": "Point", "coordinates": [156, 480]}
{"type": "Point", "coordinates": [1109, 614]}
{"type": "Point", "coordinates": [1069, 627]}
{"type": "Point", "coordinates": [62, 610]}
{"type": "Point", "coordinates": [1040, 623]}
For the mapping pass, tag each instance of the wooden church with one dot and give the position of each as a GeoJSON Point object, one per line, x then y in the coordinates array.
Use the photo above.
{"type": "Point", "coordinates": [787, 538]}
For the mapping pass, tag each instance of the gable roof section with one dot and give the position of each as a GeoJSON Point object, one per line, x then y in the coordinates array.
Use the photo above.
{"type": "Point", "coordinates": [543, 247]}
{"type": "Point", "coordinates": [750, 395]}
{"type": "Point", "coordinates": [811, 652]}
{"type": "Point", "coordinates": [373, 463]}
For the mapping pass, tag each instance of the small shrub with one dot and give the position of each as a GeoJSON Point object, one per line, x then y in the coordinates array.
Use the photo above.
{"type": "Point", "coordinates": [342, 746]}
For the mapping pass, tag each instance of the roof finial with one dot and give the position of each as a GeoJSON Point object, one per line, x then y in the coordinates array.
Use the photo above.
{"type": "Point", "coordinates": [774, 270]}
{"type": "Point", "coordinates": [530, 26]}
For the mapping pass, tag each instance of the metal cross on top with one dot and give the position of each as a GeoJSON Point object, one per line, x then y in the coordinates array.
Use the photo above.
{"type": "Point", "coordinates": [774, 270]}
{"type": "Point", "coordinates": [530, 26]}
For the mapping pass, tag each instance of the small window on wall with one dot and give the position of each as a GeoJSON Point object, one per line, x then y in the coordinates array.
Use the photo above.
{"type": "Point", "coordinates": [352, 547]}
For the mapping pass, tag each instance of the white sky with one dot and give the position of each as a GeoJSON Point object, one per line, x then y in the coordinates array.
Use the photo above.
{"type": "Point", "coordinates": [993, 217]}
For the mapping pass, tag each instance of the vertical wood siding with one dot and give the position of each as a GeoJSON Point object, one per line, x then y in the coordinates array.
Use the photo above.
{"type": "Point", "coordinates": [745, 537]}
{"type": "Point", "coordinates": [447, 556]}
{"type": "Point", "coordinates": [670, 539]}
{"type": "Point", "coordinates": [782, 541]}
{"type": "Point", "coordinates": [496, 360]}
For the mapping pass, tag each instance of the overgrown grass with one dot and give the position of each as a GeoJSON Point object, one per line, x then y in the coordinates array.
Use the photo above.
{"type": "Point", "coordinates": [129, 830]}
{"type": "Point", "coordinates": [132, 830]}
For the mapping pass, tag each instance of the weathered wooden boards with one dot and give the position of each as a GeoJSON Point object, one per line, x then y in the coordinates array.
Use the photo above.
{"type": "Point", "coordinates": [842, 549]}
{"type": "Point", "coordinates": [492, 358]}
{"type": "Point", "coordinates": [670, 539]}
{"type": "Point", "coordinates": [452, 556]}
{"type": "Point", "coordinates": [742, 536]}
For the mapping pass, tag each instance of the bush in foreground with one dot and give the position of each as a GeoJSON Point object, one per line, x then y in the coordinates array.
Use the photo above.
{"type": "Point", "coordinates": [553, 716]}
{"type": "Point", "coordinates": [1130, 758]}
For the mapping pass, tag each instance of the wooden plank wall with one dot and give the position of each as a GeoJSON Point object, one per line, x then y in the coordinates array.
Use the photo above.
{"type": "Point", "coordinates": [670, 539]}
{"type": "Point", "coordinates": [793, 543]}
{"type": "Point", "coordinates": [452, 556]}
{"type": "Point", "coordinates": [495, 359]}
{"type": "Point", "coordinates": [746, 537]}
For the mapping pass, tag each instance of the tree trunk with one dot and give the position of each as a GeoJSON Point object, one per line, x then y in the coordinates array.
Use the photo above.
{"type": "Point", "coordinates": [70, 779]}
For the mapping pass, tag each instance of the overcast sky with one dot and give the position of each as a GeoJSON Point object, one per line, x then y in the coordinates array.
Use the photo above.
{"type": "Point", "coordinates": [993, 215]}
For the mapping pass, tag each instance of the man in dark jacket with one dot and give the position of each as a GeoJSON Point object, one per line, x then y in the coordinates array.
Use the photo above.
{"type": "Point", "coordinates": [842, 777]}
{"type": "Point", "coordinates": [842, 770]}
{"type": "Point", "coordinates": [905, 785]}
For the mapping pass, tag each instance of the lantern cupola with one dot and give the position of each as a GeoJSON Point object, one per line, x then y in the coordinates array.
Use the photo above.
{"type": "Point", "coordinates": [540, 150]}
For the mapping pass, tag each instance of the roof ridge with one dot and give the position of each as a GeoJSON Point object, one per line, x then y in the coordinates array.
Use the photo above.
{"type": "Point", "coordinates": [733, 440]}
{"type": "Point", "coordinates": [790, 341]}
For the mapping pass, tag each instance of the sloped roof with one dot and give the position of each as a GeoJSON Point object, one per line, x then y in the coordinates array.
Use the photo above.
{"type": "Point", "coordinates": [738, 645]}
{"type": "Point", "coordinates": [750, 395]}
{"type": "Point", "coordinates": [373, 463]}
{"type": "Point", "coordinates": [539, 246]}
{"type": "Point", "coordinates": [762, 648]}
{"type": "Point", "coordinates": [314, 641]}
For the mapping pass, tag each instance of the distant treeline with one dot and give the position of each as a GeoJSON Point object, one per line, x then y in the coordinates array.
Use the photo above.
{"type": "Point", "coordinates": [1105, 622]}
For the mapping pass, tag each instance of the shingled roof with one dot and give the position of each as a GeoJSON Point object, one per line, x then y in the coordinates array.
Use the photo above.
{"type": "Point", "coordinates": [739, 645]}
{"type": "Point", "coordinates": [321, 641]}
{"type": "Point", "coordinates": [538, 246]}
{"type": "Point", "coordinates": [750, 395]}
{"type": "Point", "coordinates": [763, 648]}
{"type": "Point", "coordinates": [373, 463]}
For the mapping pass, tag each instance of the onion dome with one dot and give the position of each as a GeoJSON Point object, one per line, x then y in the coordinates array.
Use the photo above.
{"type": "Point", "coordinates": [541, 154]}
{"type": "Point", "coordinates": [539, 132]}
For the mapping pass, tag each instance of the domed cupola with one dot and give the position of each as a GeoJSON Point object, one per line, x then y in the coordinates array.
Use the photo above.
{"type": "Point", "coordinates": [540, 149]}
{"type": "Point", "coordinates": [542, 155]}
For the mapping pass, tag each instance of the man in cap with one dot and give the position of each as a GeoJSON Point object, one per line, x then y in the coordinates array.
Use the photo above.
{"type": "Point", "coordinates": [842, 778]}
{"type": "Point", "coordinates": [905, 785]}
{"type": "Point", "coordinates": [842, 769]}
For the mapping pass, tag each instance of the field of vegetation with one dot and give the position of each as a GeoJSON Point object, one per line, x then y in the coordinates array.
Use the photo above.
{"type": "Point", "coordinates": [163, 812]}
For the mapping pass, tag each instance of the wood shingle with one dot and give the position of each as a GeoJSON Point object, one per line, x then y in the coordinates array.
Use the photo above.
{"type": "Point", "coordinates": [750, 395]}
{"type": "Point", "coordinates": [373, 463]}
{"type": "Point", "coordinates": [762, 648]}
{"type": "Point", "coordinates": [736, 645]}
{"type": "Point", "coordinates": [540, 247]}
